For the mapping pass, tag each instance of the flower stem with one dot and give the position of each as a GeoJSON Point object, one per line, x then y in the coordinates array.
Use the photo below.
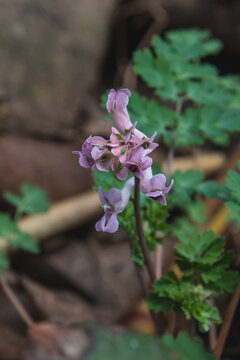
{"type": "Point", "coordinates": [139, 225]}
{"type": "Point", "coordinates": [143, 244]}
{"type": "Point", "coordinates": [227, 323]}
{"type": "Point", "coordinates": [15, 302]}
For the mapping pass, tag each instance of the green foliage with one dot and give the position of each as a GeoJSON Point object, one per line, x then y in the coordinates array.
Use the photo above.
{"type": "Point", "coordinates": [151, 116]}
{"type": "Point", "coordinates": [213, 190]}
{"type": "Point", "coordinates": [173, 69]}
{"type": "Point", "coordinates": [16, 238]}
{"type": "Point", "coordinates": [182, 295]}
{"type": "Point", "coordinates": [154, 222]}
{"type": "Point", "coordinates": [233, 201]}
{"type": "Point", "coordinates": [34, 200]}
{"type": "Point", "coordinates": [204, 257]}
{"type": "Point", "coordinates": [193, 44]}
{"type": "Point", "coordinates": [184, 188]}
{"type": "Point", "coordinates": [136, 346]}
{"type": "Point", "coordinates": [204, 264]}
{"type": "Point", "coordinates": [192, 104]}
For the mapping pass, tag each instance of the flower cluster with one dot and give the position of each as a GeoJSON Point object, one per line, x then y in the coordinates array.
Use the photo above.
{"type": "Point", "coordinates": [126, 150]}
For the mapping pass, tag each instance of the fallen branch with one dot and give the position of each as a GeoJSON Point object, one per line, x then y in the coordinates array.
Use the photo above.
{"type": "Point", "coordinates": [67, 214]}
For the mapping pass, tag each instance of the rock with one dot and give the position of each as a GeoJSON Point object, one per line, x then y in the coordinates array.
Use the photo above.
{"type": "Point", "coordinates": [58, 305]}
{"type": "Point", "coordinates": [50, 165]}
{"type": "Point", "coordinates": [50, 54]}
{"type": "Point", "coordinates": [102, 271]}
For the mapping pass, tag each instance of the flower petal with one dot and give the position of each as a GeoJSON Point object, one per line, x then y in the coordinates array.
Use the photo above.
{"type": "Point", "coordinates": [122, 99]}
{"type": "Point", "coordinates": [111, 100]}
{"type": "Point", "coordinates": [107, 223]}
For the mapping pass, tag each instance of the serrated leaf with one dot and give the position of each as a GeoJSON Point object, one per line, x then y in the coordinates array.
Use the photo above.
{"type": "Point", "coordinates": [151, 116]}
{"type": "Point", "coordinates": [10, 232]}
{"type": "Point", "coordinates": [193, 43]}
{"type": "Point", "coordinates": [185, 184]}
{"type": "Point", "coordinates": [34, 200]}
{"type": "Point", "coordinates": [188, 128]}
{"type": "Point", "coordinates": [159, 304]}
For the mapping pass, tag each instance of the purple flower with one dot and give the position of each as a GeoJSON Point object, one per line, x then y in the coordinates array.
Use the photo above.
{"type": "Point", "coordinates": [85, 156]}
{"type": "Point", "coordinates": [138, 162]}
{"type": "Point", "coordinates": [102, 157]}
{"type": "Point", "coordinates": [117, 106]}
{"type": "Point", "coordinates": [120, 171]}
{"type": "Point", "coordinates": [113, 202]}
{"type": "Point", "coordinates": [145, 142]}
{"type": "Point", "coordinates": [155, 186]}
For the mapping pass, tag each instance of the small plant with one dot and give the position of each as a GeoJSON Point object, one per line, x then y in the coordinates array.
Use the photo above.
{"type": "Point", "coordinates": [33, 200]}
{"type": "Point", "coordinates": [192, 104]}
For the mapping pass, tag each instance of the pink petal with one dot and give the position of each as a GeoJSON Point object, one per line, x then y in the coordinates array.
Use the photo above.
{"type": "Point", "coordinates": [158, 182]}
{"type": "Point", "coordinates": [114, 196]}
{"type": "Point", "coordinates": [122, 99]}
{"type": "Point", "coordinates": [111, 100]}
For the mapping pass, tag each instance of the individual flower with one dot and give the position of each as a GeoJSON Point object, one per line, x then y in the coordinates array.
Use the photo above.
{"type": "Point", "coordinates": [145, 142]}
{"type": "Point", "coordinates": [138, 162]}
{"type": "Point", "coordinates": [102, 157]}
{"type": "Point", "coordinates": [95, 154]}
{"type": "Point", "coordinates": [113, 202]}
{"type": "Point", "coordinates": [155, 186]}
{"type": "Point", "coordinates": [117, 106]}
{"type": "Point", "coordinates": [85, 156]}
{"type": "Point", "coordinates": [119, 170]}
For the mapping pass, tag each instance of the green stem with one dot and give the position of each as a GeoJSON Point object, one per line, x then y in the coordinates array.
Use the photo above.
{"type": "Point", "coordinates": [146, 255]}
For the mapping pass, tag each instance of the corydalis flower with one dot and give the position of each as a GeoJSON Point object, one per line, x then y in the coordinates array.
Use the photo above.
{"type": "Point", "coordinates": [117, 106]}
{"type": "Point", "coordinates": [138, 162]}
{"type": "Point", "coordinates": [85, 156]}
{"type": "Point", "coordinates": [155, 186]}
{"type": "Point", "coordinates": [113, 202]}
{"type": "Point", "coordinates": [95, 154]}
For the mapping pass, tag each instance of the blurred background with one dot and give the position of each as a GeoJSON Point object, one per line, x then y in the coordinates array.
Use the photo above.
{"type": "Point", "coordinates": [56, 60]}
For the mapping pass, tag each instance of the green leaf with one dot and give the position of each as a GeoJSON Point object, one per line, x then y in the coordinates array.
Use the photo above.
{"type": "Point", "coordinates": [196, 211]}
{"type": "Point", "coordinates": [184, 188]}
{"type": "Point", "coordinates": [188, 128]}
{"type": "Point", "coordinates": [151, 116]}
{"type": "Point", "coordinates": [137, 346]}
{"type": "Point", "coordinates": [107, 180]}
{"type": "Point", "coordinates": [34, 200]}
{"type": "Point", "coordinates": [213, 190]}
{"type": "Point", "coordinates": [187, 347]}
{"type": "Point", "coordinates": [233, 199]}
{"type": "Point", "coordinates": [159, 304]}
{"type": "Point", "coordinates": [183, 296]}
{"type": "Point", "coordinates": [193, 43]}
{"type": "Point", "coordinates": [10, 232]}
{"type": "Point", "coordinates": [208, 92]}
